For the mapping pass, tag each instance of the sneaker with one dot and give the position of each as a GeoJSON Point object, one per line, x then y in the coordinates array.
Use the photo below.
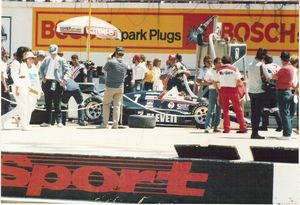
{"type": "Point", "coordinates": [83, 123]}
{"type": "Point", "coordinates": [242, 131]}
{"type": "Point", "coordinates": [257, 136]}
{"type": "Point", "coordinates": [278, 129]}
{"type": "Point", "coordinates": [114, 127]}
{"type": "Point", "coordinates": [217, 130]}
{"type": "Point", "coordinates": [226, 131]}
{"type": "Point", "coordinates": [102, 126]}
{"type": "Point", "coordinates": [206, 131]}
{"type": "Point", "coordinates": [60, 125]}
{"type": "Point", "coordinates": [284, 138]}
{"type": "Point", "coordinates": [44, 125]}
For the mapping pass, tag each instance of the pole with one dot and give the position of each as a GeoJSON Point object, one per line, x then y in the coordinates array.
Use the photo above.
{"type": "Point", "coordinates": [89, 31]}
{"type": "Point", "coordinates": [245, 77]}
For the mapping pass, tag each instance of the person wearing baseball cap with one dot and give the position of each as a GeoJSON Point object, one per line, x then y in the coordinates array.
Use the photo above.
{"type": "Point", "coordinates": [116, 69]}
{"type": "Point", "coordinates": [174, 73]}
{"type": "Point", "coordinates": [139, 69]}
{"type": "Point", "coordinates": [54, 72]}
{"type": "Point", "coordinates": [284, 83]}
{"type": "Point", "coordinates": [120, 51]}
{"type": "Point", "coordinates": [40, 56]}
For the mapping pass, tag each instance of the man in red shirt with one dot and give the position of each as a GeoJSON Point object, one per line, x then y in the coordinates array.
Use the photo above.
{"type": "Point", "coordinates": [284, 83]}
{"type": "Point", "coordinates": [229, 77]}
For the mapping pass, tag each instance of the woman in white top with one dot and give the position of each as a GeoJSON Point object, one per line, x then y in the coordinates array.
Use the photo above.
{"type": "Point", "coordinates": [157, 86]}
{"type": "Point", "coordinates": [20, 87]}
{"type": "Point", "coordinates": [34, 86]}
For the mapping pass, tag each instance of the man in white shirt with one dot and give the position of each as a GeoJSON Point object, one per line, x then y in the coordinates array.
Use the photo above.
{"type": "Point", "coordinates": [256, 93]}
{"type": "Point", "coordinates": [208, 64]}
{"type": "Point", "coordinates": [213, 107]}
{"type": "Point", "coordinates": [229, 77]}
{"type": "Point", "coordinates": [139, 70]}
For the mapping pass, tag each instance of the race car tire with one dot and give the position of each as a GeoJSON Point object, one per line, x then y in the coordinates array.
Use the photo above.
{"type": "Point", "coordinates": [200, 109]}
{"type": "Point", "coordinates": [93, 109]}
{"type": "Point", "coordinates": [141, 121]}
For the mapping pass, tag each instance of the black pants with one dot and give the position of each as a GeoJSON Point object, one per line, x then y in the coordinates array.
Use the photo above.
{"type": "Point", "coordinates": [128, 88]}
{"type": "Point", "coordinates": [52, 96]}
{"type": "Point", "coordinates": [4, 103]}
{"type": "Point", "coordinates": [77, 95]}
{"type": "Point", "coordinates": [257, 103]}
{"type": "Point", "coordinates": [172, 82]}
{"type": "Point", "coordinates": [148, 86]}
{"type": "Point", "coordinates": [270, 102]}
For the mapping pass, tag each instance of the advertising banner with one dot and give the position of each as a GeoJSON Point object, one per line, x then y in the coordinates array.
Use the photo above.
{"type": "Point", "coordinates": [135, 180]}
{"type": "Point", "coordinates": [155, 30]}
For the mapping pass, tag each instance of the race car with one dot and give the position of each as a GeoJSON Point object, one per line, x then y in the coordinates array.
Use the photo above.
{"type": "Point", "coordinates": [169, 108]}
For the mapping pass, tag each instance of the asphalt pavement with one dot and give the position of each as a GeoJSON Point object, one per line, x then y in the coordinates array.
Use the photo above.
{"type": "Point", "coordinates": [131, 142]}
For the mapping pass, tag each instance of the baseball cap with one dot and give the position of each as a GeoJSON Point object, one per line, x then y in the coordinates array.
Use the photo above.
{"type": "Point", "coordinates": [53, 49]}
{"type": "Point", "coordinates": [172, 57]}
{"type": "Point", "coordinates": [120, 50]}
{"type": "Point", "coordinates": [29, 54]}
{"type": "Point", "coordinates": [285, 56]}
{"type": "Point", "coordinates": [40, 53]}
{"type": "Point", "coordinates": [137, 57]}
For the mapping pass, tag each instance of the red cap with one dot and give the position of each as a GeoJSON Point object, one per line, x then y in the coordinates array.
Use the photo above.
{"type": "Point", "coordinates": [172, 57]}
{"type": "Point", "coordinates": [137, 57]}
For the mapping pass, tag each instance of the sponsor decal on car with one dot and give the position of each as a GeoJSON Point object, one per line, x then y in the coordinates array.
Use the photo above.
{"type": "Point", "coordinates": [149, 103]}
{"type": "Point", "coordinates": [182, 106]}
{"type": "Point", "coordinates": [171, 105]}
{"type": "Point", "coordinates": [164, 118]}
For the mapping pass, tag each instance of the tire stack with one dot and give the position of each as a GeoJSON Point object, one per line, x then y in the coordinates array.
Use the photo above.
{"type": "Point", "coordinates": [141, 121]}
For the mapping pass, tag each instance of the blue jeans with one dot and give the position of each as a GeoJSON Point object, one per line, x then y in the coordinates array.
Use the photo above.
{"type": "Point", "coordinates": [212, 105]}
{"type": "Point", "coordinates": [284, 103]}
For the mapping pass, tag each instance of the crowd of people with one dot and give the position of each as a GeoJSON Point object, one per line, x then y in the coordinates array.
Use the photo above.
{"type": "Point", "coordinates": [31, 75]}
{"type": "Point", "coordinates": [59, 78]}
{"type": "Point", "coordinates": [272, 88]}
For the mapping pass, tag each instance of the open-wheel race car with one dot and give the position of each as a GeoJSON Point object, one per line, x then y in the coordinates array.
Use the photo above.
{"type": "Point", "coordinates": [168, 107]}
